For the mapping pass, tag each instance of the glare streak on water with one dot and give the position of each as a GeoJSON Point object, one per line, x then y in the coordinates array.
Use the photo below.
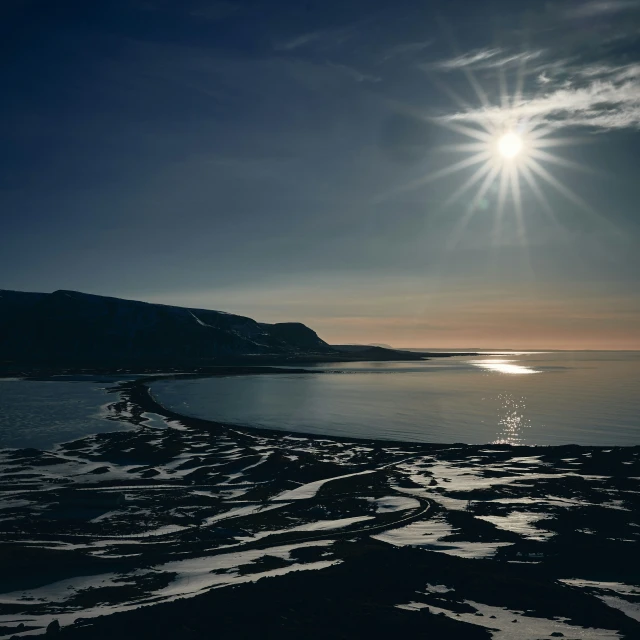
{"type": "Point", "coordinates": [502, 366]}
{"type": "Point", "coordinates": [587, 398]}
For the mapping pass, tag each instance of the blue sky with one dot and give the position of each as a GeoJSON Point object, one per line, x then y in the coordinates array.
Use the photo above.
{"type": "Point", "coordinates": [274, 159]}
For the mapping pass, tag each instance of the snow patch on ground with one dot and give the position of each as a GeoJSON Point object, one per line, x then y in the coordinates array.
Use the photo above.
{"type": "Point", "coordinates": [431, 534]}
{"type": "Point", "coordinates": [309, 490]}
{"type": "Point", "coordinates": [391, 504]}
{"type": "Point", "coordinates": [520, 522]}
{"type": "Point", "coordinates": [514, 625]}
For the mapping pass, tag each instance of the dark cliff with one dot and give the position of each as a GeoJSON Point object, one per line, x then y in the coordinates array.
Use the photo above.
{"type": "Point", "coordinates": [67, 326]}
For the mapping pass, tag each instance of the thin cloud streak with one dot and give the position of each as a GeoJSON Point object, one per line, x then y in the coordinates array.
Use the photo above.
{"type": "Point", "coordinates": [602, 7]}
{"type": "Point", "coordinates": [601, 97]}
{"type": "Point", "coordinates": [408, 48]}
{"type": "Point", "coordinates": [482, 59]}
{"type": "Point", "coordinates": [354, 73]}
{"type": "Point", "coordinates": [322, 38]}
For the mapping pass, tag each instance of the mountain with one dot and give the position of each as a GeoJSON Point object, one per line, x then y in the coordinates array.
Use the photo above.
{"type": "Point", "coordinates": [72, 327]}
{"type": "Point", "coordinates": [364, 347]}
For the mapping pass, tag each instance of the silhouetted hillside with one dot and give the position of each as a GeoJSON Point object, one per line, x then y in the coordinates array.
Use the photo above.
{"type": "Point", "coordinates": [67, 326]}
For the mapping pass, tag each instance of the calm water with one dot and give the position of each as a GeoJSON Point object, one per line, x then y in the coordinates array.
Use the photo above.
{"type": "Point", "coordinates": [41, 414]}
{"type": "Point", "coordinates": [589, 398]}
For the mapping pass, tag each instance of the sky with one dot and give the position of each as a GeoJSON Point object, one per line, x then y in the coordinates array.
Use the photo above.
{"type": "Point", "coordinates": [332, 162]}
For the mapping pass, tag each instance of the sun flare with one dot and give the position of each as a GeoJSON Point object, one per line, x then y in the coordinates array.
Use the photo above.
{"type": "Point", "coordinates": [510, 145]}
{"type": "Point", "coordinates": [509, 155]}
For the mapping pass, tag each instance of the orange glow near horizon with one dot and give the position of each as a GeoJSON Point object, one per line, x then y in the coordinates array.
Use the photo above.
{"type": "Point", "coordinates": [409, 335]}
{"type": "Point", "coordinates": [387, 313]}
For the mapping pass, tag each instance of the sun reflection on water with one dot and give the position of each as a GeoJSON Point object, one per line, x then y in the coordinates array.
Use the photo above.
{"type": "Point", "coordinates": [502, 366]}
{"type": "Point", "coordinates": [512, 421]}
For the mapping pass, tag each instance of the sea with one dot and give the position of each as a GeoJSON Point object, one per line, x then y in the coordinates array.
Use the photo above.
{"type": "Point", "coordinates": [530, 398]}
{"type": "Point", "coordinates": [43, 413]}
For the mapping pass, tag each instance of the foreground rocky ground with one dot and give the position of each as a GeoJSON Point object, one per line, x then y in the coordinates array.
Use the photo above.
{"type": "Point", "coordinates": [186, 529]}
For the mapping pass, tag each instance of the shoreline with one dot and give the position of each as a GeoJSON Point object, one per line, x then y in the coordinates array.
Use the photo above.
{"type": "Point", "coordinates": [137, 396]}
{"type": "Point", "coordinates": [138, 533]}
{"type": "Point", "coordinates": [140, 395]}
{"type": "Point", "coordinates": [45, 369]}
{"type": "Point", "coordinates": [148, 403]}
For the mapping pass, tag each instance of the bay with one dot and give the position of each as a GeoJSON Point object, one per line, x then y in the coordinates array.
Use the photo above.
{"type": "Point", "coordinates": [532, 398]}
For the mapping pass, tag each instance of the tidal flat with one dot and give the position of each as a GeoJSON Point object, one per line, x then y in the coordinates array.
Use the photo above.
{"type": "Point", "coordinates": [182, 527]}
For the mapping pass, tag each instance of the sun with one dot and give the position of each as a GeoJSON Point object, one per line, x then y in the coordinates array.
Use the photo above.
{"type": "Point", "coordinates": [510, 145]}
{"type": "Point", "coordinates": [505, 148]}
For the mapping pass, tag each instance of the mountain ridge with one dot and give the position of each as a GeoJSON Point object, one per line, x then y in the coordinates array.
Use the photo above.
{"type": "Point", "coordinates": [69, 325]}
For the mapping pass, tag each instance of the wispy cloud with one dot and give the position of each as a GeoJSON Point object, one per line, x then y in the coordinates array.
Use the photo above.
{"type": "Point", "coordinates": [603, 97]}
{"type": "Point", "coordinates": [597, 8]}
{"type": "Point", "coordinates": [408, 48]}
{"type": "Point", "coordinates": [325, 38]}
{"type": "Point", "coordinates": [353, 73]}
{"type": "Point", "coordinates": [298, 41]}
{"type": "Point", "coordinates": [483, 59]}
{"type": "Point", "coordinates": [466, 60]}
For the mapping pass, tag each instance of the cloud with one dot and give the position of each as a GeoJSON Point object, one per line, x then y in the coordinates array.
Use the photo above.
{"type": "Point", "coordinates": [598, 8]}
{"type": "Point", "coordinates": [323, 38]}
{"type": "Point", "coordinates": [466, 60]}
{"type": "Point", "coordinates": [299, 41]}
{"type": "Point", "coordinates": [602, 96]}
{"type": "Point", "coordinates": [354, 74]}
{"type": "Point", "coordinates": [586, 77]}
{"type": "Point", "coordinates": [483, 59]}
{"type": "Point", "coordinates": [407, 49]}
